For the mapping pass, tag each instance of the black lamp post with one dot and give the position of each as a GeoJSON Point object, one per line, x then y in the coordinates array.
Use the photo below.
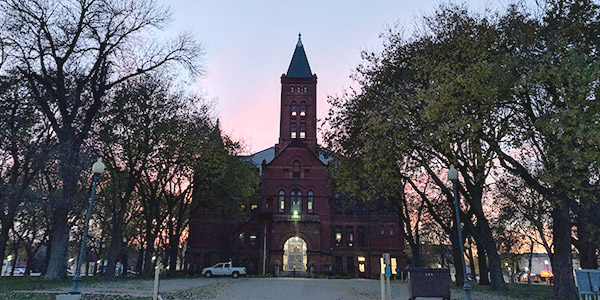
{"type": "Point", "coordinates": [453, 176]}
{"type": "Point", "coordinates": [97, 169]}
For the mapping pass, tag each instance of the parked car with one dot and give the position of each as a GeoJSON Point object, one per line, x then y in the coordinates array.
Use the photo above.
{"type": "Point", "coordinates": [223, 269]}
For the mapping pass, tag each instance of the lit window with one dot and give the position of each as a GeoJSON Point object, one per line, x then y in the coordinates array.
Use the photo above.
{"type": "Point", "coordinates": [310, 202]}
{"type": "Point", "coordinates": [391, 232]}
{"type": "Point", "coordinates": [293, 129]}
{"type": "Point", "coordinates": [382, 231]}
{"type": "Point", "coordinates": [302, 130]}
{"type": "Point", "coordinates": [338, 236]}
{"type": "Point", "coordinates": [253, 207]}
{"type": "Point", "coordinates": [281, 201]}
{"type": "Point", "coordinates": [253, 238]}
{"type": "Point", "coordinates": [296, 203]}
{"type": "Point", "coordinates": [305, 89]}
{"type": "Point", "coordinates": [292, 89]}
{"type": "Point", "coordinates": [349, 236]}
{"type": "Point", "coordinates": [242, 237]}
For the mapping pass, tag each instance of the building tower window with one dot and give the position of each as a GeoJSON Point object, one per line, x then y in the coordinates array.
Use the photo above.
{"type": "Point", "coordinates": [281, 201]}
{"type": "Point", "coordinates": [302, 130]}
{"type": "Point", "coordinates": [293, 129]}
{"type": "Point", "coordinates": [298, 90]}
{"type": "Point", "coordinates": [296, 170]}
{"type": "Point", "coordinates": [296, 202]}
{"type": "Point", "coordinates": [302, 108]}
{"type": "Point", "coordinates": [310, 202]}
{"type": "Point", "coordinates": [306, 89]}
{"type": "Point", "coordinates": [291, 89]}
{"type": "Point", "coordinates": [293, 108]}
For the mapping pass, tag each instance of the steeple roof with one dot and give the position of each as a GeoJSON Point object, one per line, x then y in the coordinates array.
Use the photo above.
{"type": "Point", "coordinates": [299, 66]}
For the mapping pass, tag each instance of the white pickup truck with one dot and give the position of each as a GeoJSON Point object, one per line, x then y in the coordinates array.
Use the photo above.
{"type": "Point", "coordinates": [223, 269]}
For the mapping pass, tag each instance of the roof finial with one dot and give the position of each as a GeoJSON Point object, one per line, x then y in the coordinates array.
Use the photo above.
{"type": "Point", "coordinates": [299, 40]}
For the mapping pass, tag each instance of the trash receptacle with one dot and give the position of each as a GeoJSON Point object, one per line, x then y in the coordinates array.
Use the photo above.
{"type": "Point", "coordinates": [426, 282]}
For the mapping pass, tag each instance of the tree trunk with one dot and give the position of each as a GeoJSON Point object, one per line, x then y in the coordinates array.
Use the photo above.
{"type": "Point", "coordinates": [530, 262]}
{"type": "Point", "coordinates": [147, 271]}
{"type": "Point", "coordinates": [172, 253]}
{"type": "Point", "coordinates": [69, 175]}
{"type": "Point", "coordinates": [495, 264]}
{"type": "Point", "coordinates": [114, 248]}
{"type": "Point", "coordinates": [57, 262]}
{"type": "Point", "coordinates": [460, 279]}
{"type": "Point", "coordinates": [124, 261]}
{"type": "Point", "coordinates": [587, 243]}
{"type": "Point", "coordinates": [3, 241]}
{"type": "Point", "coordinates": [484, 278]}
{"type": "Point", "coordinates": [562, 263]}
{"type": "Point", "coordinates": [140, 261]}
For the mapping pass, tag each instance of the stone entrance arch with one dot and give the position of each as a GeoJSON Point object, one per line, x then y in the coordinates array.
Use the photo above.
{"type": "Point", "coordinates": [294, 254]}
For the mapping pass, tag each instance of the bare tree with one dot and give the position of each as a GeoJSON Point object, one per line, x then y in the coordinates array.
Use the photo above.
{"type": "Point", "coordinates": [71, 54]}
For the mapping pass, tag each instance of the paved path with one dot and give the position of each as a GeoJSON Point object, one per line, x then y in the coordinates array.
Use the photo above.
{"type": "Point", "coordinates": [253, 288]}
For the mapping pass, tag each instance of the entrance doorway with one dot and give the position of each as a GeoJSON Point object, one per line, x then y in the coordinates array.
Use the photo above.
{"type": "Point", "coordinates": [361, 267]}
{"type": "Point", "coordinates": [294, 254]}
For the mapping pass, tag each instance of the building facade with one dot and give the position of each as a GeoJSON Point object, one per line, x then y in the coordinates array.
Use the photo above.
{"type": "Point", "coordinates": [300, 224]}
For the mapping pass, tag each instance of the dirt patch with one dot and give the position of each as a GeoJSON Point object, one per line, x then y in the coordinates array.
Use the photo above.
{"type": "Point", "coordinates": [208, 291]}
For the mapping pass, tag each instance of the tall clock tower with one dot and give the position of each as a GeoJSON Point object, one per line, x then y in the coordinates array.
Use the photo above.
{"type": "Point", "coordinates": [298, 118]}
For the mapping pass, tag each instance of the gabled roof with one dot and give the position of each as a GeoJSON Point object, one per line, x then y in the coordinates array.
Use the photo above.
{"type": "Point", "coordinates": [269, 154]}
{"type": "Point", "coordinates": [299, 67]}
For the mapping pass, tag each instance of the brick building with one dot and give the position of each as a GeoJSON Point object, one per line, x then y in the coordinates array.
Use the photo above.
{"type": "Point", "coordinates": [299, 223]}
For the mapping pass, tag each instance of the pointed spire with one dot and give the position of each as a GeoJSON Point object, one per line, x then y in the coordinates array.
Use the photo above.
{"type": "Point", "coordinates": [299, 66]}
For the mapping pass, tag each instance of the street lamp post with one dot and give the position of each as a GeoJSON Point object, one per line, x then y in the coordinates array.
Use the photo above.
{"type": "Point", "coordinates": [453, 176]}
{"type": "Point", "coordinates": [97, 169]}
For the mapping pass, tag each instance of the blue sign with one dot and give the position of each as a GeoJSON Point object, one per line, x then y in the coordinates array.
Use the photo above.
{"type": "Point", "coordinates": [388, 272]}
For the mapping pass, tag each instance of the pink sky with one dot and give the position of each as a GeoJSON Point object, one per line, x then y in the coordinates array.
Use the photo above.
{"type": "Point", "coordinates": [249, 44]}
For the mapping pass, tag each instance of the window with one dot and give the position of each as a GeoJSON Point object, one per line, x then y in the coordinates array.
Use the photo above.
{"type": "Point", "coordinates": [337, 205]}
{"type": "Point", "coordinates": [361, 237]}
{"type": "Point", "coordinates": [253, 207]}
{"type": "Point", "coordinates": [242, 237]}
{"type": "Point", "coordinates": [302, 130]}
{"type": "Point", "coordinates": [298, 89]}
{"type": "Point", "coordinates": [296, 170]}
{"type": "Point", "coordinates": [293, 129]}
{"type": "Point", "coordinates": [302, 106]}
{"type": "Point", "coordinates": [296, 203]}
{"type": "Point", "coordinates": [349, 236]}
{"type": "Point", "coordinates": [391, 232]}
{"type": "Point", "coordinates": [253, 238]}
{"type": "Point", "coordinates": [310, 202]}
{"type": "Point", "coordinates": [281, 201]}
{"type": "Point", "coordinates": [291, 89]}
{"type": "Point", "coordinates": [293, 108]}
{"type": "Point", "coordinates": [305, 89]}
{"type": "Point", "coordinates": [382, 231]}
{"type": "Point", "coordinates": [338, 236]}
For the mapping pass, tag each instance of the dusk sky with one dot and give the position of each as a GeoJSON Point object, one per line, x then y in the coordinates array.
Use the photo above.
{"type": "Point", "coordinates": [249, 44]}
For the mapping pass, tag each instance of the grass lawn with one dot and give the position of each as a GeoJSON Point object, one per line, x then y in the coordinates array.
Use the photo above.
{"type": "Point", "coordinates": [11, 284]}
{"type": "Point", "coordinates": [517, 291]}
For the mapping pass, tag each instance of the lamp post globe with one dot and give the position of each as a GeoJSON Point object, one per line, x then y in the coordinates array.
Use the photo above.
{"type": "Point", "coordinates": [98, 167]}
{"type": "Point", "coordinates": [452, 173]}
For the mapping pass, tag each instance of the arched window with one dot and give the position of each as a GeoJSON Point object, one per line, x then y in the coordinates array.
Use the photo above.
{"type": "Point", "coordinates": [310, 204]}
{"type": "Point", "coordinates": [293, 108]}
{"type": "Point", "coordinates": [296, 169]}
{"type": "Point", "coordinates": [291, 89]}
{"type": "Point", "coordinates": [302, 106]}
{"type": "Point", "coordinates": [298, 89]}
{"type": "Point", "coordinates": [305, 89]}
{"type": "Point", "coordinates": [302, 130]}
{"type": "Point", "coordinates": [296, 202]}
{"type": "Point", "coordinates": [281, 201]}
{"type": "Point", "coordinates": [293, 129]}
